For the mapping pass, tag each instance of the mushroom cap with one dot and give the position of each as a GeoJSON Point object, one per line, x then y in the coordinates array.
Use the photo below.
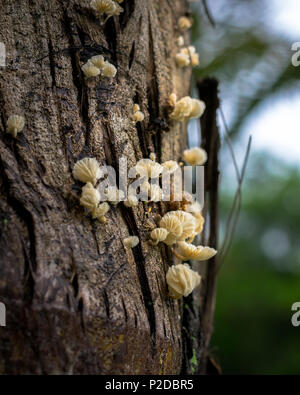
{"type": "Point", "coordinates": [199, 222]}
{"type": "Point", "coordinates": [172, 99]}
{"type": "Point", "coordinates": [191, 50]}
{"type": "Point", "coordinates": [148, 168]}
{"type": "Point", "coordinates": [195, 156]}
{"type": "Point", "coordinates": [87, 170]}
{"type": "Point", "coordinates": [198, 108]}
{"type": "Point", "coordinates": [131, 241]}
{"type": "Point", "coordinates": [101, 210]}
{"type": "Point", "coordinates": [90, 70]}
{"type": "Point", "coordinates": [180, 41]}
{"type": "Point", "coordinates": [170, 166]}
{"type": "Point", "coordinates": [188, 223]}
{"type": "Point", "coordinates": [159, 234]}
{"type": "Point", "coordinates": [90, 197]}
{"type": "Point", "coordinates": [182, 59]}
{"type": "Point", "coordinates": [182, 110]}
{"type": "Point", "coordinates": [108, 7]}
{"type": "Point", "coordinates": [189, 251]}
{"type": "Point", "coordinates": [181, 280]}
{"type": "Point", "coordinates": [98, 61]}
{"type": "Point", "coordinates": [15, 124]}
{"type": "Point", "coordinates": [138, 116]}
{"type": "Point", "coordinates": [135, 108]}
{"type": "Point", "coordinates": [173, 225]}
{"type": "Point", "coordinates": [184, 23]}
{"type": "Point", "coordinates": [195, 59]}
{"type": "Point", "coordinates": [108, 70]}
{"type": "Point", "coordinates": [194, 208]}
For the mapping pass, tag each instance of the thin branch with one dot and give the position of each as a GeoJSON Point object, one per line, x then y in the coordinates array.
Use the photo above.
{"type": "Point", "coordinates": [235, 210]}
{"type": "Point", "coordinates": [230, 228]}
{"type": "Point", "coordinates": [208, 13]}
{"type": "Point", "coordinates": [228, 140]}
{"type": "Point", "coordinates": [237, 195]}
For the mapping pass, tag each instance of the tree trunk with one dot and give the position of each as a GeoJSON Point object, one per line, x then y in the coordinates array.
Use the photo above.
{"type": "Point", "coordinates": [77, 301]}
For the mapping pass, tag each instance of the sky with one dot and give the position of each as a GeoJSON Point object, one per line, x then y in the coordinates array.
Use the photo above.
{"type": "Point", "coordinates": [275, 127]}
{"type": "Point", "coordinates": [286, 17]}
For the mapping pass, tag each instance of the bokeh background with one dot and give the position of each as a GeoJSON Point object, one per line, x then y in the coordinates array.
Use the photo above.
{"type": "Point", "coordinates": [249, 51]}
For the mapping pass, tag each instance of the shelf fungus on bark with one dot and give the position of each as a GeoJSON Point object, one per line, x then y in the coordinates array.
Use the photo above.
{"type": "Point", "coordinates": [170, 166]}
{"type": "Point", "coordinates": [90, 197]}
{"type": "Point", "coordinates": [181, 280]}
{"type": "Point", "coordinates": [114, 195]}
{"type": "Point", "coordinates": [159, 234]}
{"type": "Point", "coordinates": [15, 124]}
{"type": "Point", "coordinates": [181, 226]}
{"type": "Point", "coordinates": [172, 100]}
{"type": "Point", "coordinates": [87, 170]}
{"type": "Point", "coordinates": [187, 57]}
{"type": "Point", "coordinates": [184, 23]}
{"type": "Point", "coordinates": [148, 168]}
{"type": "Point", "coordinates": [100, 211]}
{"type": "Point", "coordinates": [131, 241]}
{"type": "Point", "coordinates": [138, 115]}
{"type": "Point", "coordinates": [186, 251]}
{"type": "Point", "coordinates": [152, 156]}
{"type": "Point", "coordinates": [199, 222]}
{"type": "Point", "coordinates": [193, 55]}
{"type": "Point", "coordinates": [195, 156]}
{"type": "Point", "coordinates": [188, 223]}
{"type": "Point", "coordinates": [172, 224]}
{"type": "Point", "coordinates": [97, 65]}
{"type": "Point", "coordinates": [107, 7]}
{"type": "Point", "coordinates": [183, 58]}
{"type": "Point", "coordinates": [98, 61]}
{"type": "Point", "coordinates": [180, 41]}
{"type": "Point", "coordinates": [185, 108]}
{"type": "Point", "coordinates": [90, 70]}
{"type": "Point", "coordinates": [195, 210]}
{"type": "Point", "coordinates": [108, 70]}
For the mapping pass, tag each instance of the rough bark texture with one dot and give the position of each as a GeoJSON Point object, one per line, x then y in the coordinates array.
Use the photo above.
{"type": "Point", "coordinates": [77, 301]}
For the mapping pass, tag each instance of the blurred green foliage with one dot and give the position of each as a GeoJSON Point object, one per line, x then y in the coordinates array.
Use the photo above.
{"type": "Point", "coordinates": [260, 279]}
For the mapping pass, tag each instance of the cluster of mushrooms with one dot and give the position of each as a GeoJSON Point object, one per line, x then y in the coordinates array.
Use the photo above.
{"type": "Point", "coordinates": [187, 56]}
{"type": "Point", "coordinates": [97, 65]}
{"type": "Point", "coordinates": [177, 228]}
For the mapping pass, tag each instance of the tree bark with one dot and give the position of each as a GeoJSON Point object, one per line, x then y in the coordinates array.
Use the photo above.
{"type": "Point", "coordinates": [77, 301]}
